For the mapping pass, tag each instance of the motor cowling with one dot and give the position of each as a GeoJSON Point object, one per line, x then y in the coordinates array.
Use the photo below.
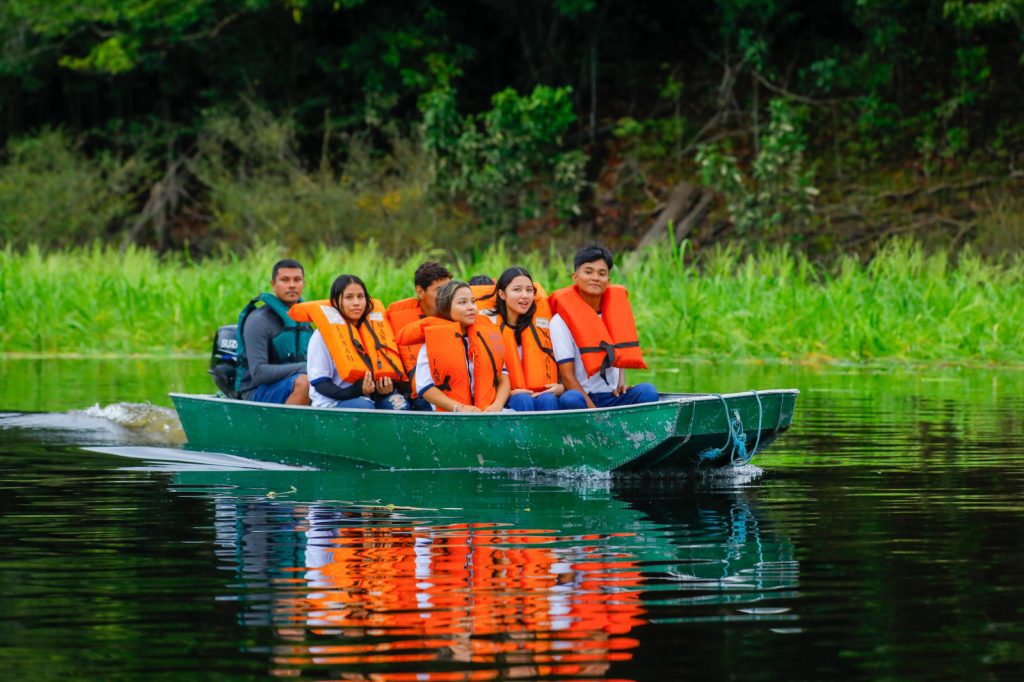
{"type": "Point", "coordinates": [224, 360]}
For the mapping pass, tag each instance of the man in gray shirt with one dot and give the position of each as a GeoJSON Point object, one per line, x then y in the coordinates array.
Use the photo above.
{"type": "Point", "coordinates": [272, 345]}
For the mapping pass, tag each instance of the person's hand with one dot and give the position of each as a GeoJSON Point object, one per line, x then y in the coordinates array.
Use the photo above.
{"type": "Point", "coordinates": [554, 389]}
{"type": "Point", "coordinates": [459, 407]}
{"type": "Point", "coordinates": [620, 389]}
{"type": "Point", "coordinates": [590, 403]}
{"type": "Point", "coordinates": [517, 391]}
{"type": "Point", "coordinates": [495, 407]}
{"type": "Point", "coordinates": [385, 386]}
{"type": "Point", "coordinates": [368, 385]}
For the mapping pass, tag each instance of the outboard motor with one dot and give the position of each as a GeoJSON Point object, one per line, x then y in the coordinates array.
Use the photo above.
{"type": "Point", "coordinates": [224, 360]}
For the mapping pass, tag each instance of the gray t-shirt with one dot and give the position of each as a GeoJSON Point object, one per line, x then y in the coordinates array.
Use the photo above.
{"type": "Point", "coordinates": [261, 326]}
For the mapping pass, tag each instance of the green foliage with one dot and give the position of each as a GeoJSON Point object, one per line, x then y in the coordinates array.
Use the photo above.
{"type": "Point", "coordinates": [941, 137]}
{"type": "Point", "coordinates": [575, 8]}
{"type": "Point", "coordinates": [902, 305]}
{"type": "Point", "coordinates": [259, 190]}
{"type": "Point", "coordinates": [52, 195]}
{"type": "Point", "coordinates": [778, 191]}
{"type": "Point", "coordinates": [509, 164]}
{"type": "Point", "coordinates": [926, 86]}
{"type": "Point", "coordinates": [125, 31]}
{"type": "Point", "coordinates": [983, 12]}
{"type": "Point", "coordinates": [657, 138]}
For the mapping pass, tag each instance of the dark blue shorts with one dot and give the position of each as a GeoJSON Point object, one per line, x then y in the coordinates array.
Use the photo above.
{"type": "Point", "coordinates": [276, 392]}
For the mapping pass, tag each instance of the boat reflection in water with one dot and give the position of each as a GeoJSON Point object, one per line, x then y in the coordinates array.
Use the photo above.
{"type": "Point", "coordinates": [463, 575]}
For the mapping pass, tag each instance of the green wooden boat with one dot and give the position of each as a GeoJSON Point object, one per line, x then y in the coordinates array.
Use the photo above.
{"type": "Point", "coordinates": [680, 431]}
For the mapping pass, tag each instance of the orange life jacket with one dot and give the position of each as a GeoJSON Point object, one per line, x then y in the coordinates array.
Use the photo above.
{"type": "Point", "coordinates": [371, 346]}
{"type": "Point", "coordinates": [483, 296]}
{"type": "Point", "coordinates": [447, 355]}
{"type": "Point", "coordinates": [399, 314]}
{"type": "Point", "coordinates": [536, 368]}
{"type": "Point", "coordinates": [608, 340]}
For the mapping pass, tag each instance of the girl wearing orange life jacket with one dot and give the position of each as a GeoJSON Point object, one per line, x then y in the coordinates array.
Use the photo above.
{"type": "Point", "coordinates": [353, 360]}
{"type": "Point", "coordinates": [461, 365]}
{"type": "Point", "coordinates": [522, 314]}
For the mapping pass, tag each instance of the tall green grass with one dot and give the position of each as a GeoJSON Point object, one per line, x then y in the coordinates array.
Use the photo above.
{"type": "Point", "coordinates": [903, 305]}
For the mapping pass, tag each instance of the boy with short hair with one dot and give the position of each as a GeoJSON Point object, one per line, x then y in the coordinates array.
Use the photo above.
{"type": "Point", "coordinates": [593, 334]}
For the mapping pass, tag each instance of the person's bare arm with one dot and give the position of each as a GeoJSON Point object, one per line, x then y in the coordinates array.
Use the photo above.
{"type": "Point", "coordinates": [621, 388]}
{"type": "Point", "coordinates": [437, 398]}
{"type": "Point", "coordinates": [504, 386]}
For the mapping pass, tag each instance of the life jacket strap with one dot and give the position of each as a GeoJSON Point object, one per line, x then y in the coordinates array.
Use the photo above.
{"type": "Point", "coordinates": [383, 351]}
{"type": "Point", "coordinates": [609, 350]}
{"type": "Point", "coordinates": [536, 337]}
{"type": "Point", "coordinates": [490, 356]}
{"type": "Point", "coordinates": [360, 351]}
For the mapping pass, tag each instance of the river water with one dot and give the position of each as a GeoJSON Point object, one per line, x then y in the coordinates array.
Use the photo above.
{"type": "Point", "coordinates": [881, 538]}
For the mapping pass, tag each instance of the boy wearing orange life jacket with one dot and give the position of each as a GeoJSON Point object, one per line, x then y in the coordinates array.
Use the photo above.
{"type": "Point", "coordinates": [593, 334]}
{"type": "Point", "coordinates": [429, 277]}
{"type": "Point", "coordinates": [353, 360]}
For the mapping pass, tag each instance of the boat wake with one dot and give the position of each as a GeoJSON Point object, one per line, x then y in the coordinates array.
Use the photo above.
{"type": "Point", "coordinates": [117, 423]}
{"type": "Point", "coordinates": [173, 459]}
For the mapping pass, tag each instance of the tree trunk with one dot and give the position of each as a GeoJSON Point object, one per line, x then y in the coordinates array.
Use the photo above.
{"type": "Point", "coordinates": [686, 209]}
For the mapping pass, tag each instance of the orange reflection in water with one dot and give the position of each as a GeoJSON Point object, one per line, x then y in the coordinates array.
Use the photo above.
{"type": "Point", "coordinates": [458, 602]}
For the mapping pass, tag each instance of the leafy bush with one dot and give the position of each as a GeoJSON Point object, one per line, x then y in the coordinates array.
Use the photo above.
{"type": "Point", "coordinates": [778, 190]}
{"type": "Point", "coordinates": [53, 195]}
{"type": "Point", "coordinates": [509, 164]}
{"type": "Point", "coordinates": [259, 191]}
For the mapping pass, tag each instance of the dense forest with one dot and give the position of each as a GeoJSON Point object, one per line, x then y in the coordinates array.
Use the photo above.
{"type": "Point", "coordinates": [219, 125]}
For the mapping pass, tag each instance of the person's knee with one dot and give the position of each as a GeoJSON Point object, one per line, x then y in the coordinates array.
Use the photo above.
{"type": "Point", "coordinates": [395, 401]}
{"type": "Point", "coordinates": [300, 391]}
{"type": "Point", "coordinates": [572, 400]}
{"type": "Point", "coordinates": [521, 402]}
{"type": "Point", "coordinates": [545, 402]}
{"type": "Point", "coordinates": [645, 393]}
{"type": "Point", "coordinates": [360, 403]}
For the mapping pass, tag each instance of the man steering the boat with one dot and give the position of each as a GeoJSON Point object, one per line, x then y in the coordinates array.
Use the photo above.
{"type": "Point", "coordinates": [593, 334]}
{"type": "Point", "coordinates": [271, 345]}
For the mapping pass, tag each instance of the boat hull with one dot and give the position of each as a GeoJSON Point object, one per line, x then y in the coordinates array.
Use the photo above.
{"type": "Point", "coordinates": [678, 431]}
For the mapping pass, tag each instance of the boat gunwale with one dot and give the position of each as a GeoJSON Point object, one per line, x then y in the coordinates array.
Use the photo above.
{"type": "Point", "coordinates": [664, 399]}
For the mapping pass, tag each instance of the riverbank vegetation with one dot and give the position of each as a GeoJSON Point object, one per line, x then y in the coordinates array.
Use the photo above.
{"type": "Point", "coordinates": [826, 128]}
{"type": "Point", "coordinates": [903, 305]}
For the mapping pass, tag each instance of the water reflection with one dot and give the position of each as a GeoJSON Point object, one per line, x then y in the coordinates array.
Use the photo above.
{"type": "Point", "coordinates": [554, 584]}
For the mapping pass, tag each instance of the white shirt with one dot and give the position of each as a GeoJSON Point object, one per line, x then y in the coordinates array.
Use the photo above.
{"type": "Point", "coordinates": [320, 365]}
{"type": "Point", "coordinates": [566, 349]}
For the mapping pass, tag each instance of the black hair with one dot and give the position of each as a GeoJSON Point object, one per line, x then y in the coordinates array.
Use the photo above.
{"type": "Point", "coordinates": [445, 296]}
{"type": "Point", "coordinates": [428, 273]}
{"type": "Point", "coordinates": [589, 254]}
{"type": "Point", "coordinates": [476, 280]}
{"type": "Point", "coordinates": [501, 306]}
{"type": "Point", "coordinates": [286, 263]}
{"type": "Point", "coordinates": [338, 288]}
